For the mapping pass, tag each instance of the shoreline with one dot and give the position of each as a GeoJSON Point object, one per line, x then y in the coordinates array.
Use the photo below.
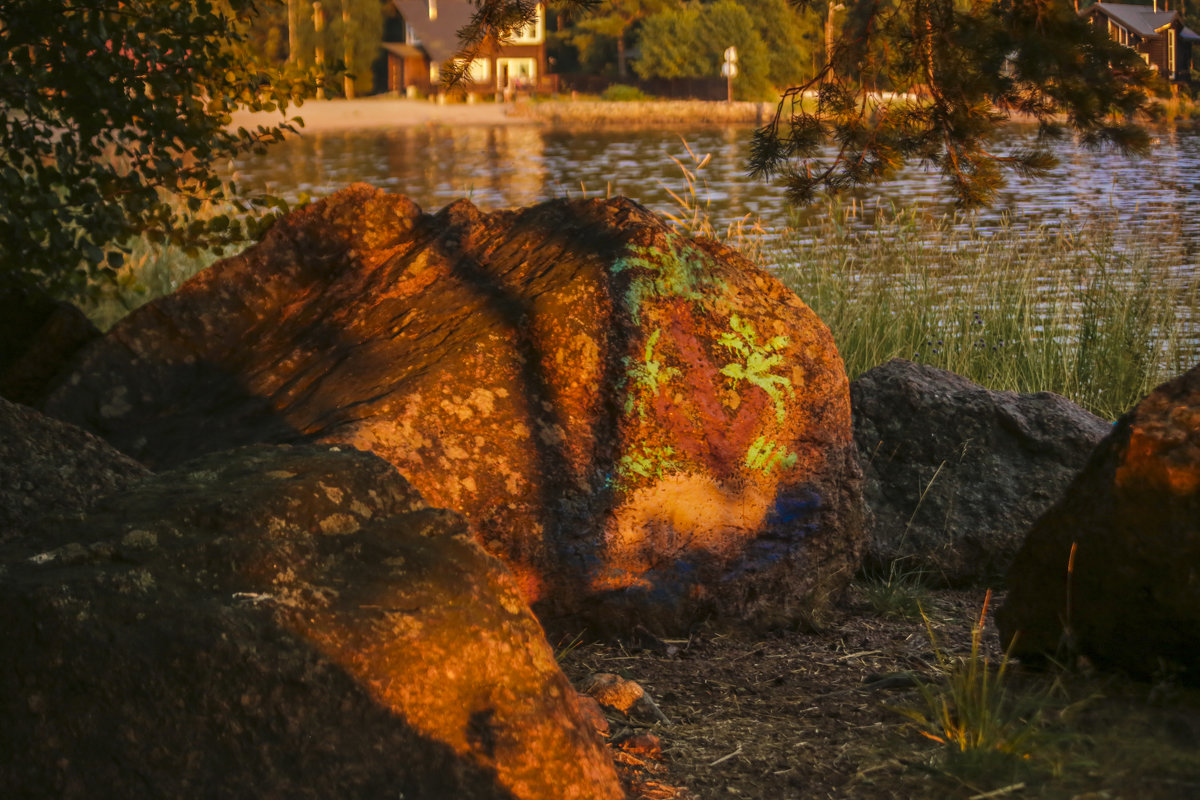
{"type": "Point", "coordinates": [322, 116]}
{"type": "Point", "coordinates": [386, 112]}
{"type": "Point", "coordinates": [381, 113]}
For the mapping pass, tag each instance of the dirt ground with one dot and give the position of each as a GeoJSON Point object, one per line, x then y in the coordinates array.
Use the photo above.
{"type": "Point", "coordinates": [817, 715]}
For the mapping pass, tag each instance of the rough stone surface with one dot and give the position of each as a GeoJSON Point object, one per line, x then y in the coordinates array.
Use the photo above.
{"type": "Point", "coordinates": [279, 622]}
{"type": "Point", "coordinates": [1132, 598]}
{"type": "Point", "coordinates": [47, 466]}
{"type": "Point", "coordinates": [954, 474]}
{"type": "Point", "coordinates": [643, 427]}
{"type": "Point", "coordinates": [38, 337]}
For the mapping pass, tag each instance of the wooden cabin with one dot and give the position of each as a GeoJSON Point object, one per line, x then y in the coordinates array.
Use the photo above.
{"type": "Point", "coordinates": [1153, 31]}
{"type": "Point", "coordinates": [430, 39]}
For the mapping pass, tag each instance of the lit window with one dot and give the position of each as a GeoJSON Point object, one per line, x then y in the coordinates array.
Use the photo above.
{"type": "Point", "coordinates": [534, 32]}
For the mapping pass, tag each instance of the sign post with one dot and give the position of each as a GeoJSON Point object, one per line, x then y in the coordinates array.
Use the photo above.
{"type": "Point", "coordinates": [729, 70]}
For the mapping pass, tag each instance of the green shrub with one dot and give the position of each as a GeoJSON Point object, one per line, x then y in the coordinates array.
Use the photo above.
{"type": "Point", "coordinates": [620, 93]}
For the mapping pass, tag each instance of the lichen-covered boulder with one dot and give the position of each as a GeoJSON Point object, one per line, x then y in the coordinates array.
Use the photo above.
{"type": "Point", "coordinates": [279, 622]}
{"type": "Point", "coordinates": [48, 466]}
{"type": "Point", "coordinates": [1112, 570]}
{"type": "Point", "coordinates": [642, 426]}
{"type": "Point", "coordinates": [954, 474]}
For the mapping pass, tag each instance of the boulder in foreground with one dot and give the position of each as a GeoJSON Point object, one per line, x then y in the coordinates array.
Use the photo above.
{"type": "Point", "coordinates": [279, 622]}
{"type": "Point", "coordinates": [644, 427]}
{"type": "Point", "coordinates": [1112, 571]}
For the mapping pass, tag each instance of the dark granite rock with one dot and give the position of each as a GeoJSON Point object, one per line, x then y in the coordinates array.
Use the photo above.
{"type": "Point", "coordinates": [954, 474]}
{"type": "Point", "coordinates": [38, 338]}
{"type": "Point", "coordinates": [47, 466]}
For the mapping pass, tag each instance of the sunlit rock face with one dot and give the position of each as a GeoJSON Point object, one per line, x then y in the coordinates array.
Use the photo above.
{"type": "Point", "coordinates": [279, 622]}
{"type": "Point", "coordinates": [955, 474]}
{"type": "Point", "coordinates": [1130, 595]}
{"type": "Point", "coordinates": [643, 427]}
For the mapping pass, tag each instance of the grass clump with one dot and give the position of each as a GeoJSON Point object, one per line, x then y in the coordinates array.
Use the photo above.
{"type": "Point", "coordinates": [986, 730]}
{"type": "Point", "coordinates": [1067, 309]}
{"type": "Point", "coordinates": [895, 595]}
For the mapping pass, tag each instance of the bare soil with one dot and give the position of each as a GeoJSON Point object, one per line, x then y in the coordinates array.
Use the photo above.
{"type": "Point", "coordinates": [816, 715]}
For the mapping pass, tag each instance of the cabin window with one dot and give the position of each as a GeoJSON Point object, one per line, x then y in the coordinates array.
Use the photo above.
{"type": "Point", "coordinates": [1171, 51]}
{"type": "Point", "coordinates": [518, 72]}
{"type": "Point", "coordinates": [480, 70]}
{"type": "Point", "coordinates": [534, 32]}
{"type": "Point", "coordinates": [432, 9]}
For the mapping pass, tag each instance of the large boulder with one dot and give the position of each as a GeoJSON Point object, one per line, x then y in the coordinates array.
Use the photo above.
{"type": "Point", "coordinates": [279, 622]}
{"type": "Point", "coordinates": [1112, 571]}
{"type": "Point", "coordinates": [642, 426]}
{"type": "Point", "coordinates": [38, 338]}
{"type": "Point", "coordinates": [954, 474]}
{"type": "Point", "coordinates": [48, 466]}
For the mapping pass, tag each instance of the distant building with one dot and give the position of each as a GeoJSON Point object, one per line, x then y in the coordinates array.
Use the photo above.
{"type": "Point", "coordinates": [1159, 37]}
{"type": "Point", "coordinates": [430, 40]}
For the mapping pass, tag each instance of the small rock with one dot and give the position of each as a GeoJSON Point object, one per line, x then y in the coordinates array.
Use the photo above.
{"type": "Point", "coordinates": [623, 696]}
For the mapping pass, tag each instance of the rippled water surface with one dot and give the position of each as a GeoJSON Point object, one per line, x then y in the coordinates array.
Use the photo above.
{"type": "Point", "coordinates": [1151, 199]}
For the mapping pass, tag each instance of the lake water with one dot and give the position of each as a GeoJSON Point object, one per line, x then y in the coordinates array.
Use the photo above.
{"type": "Point", "coordinates": [1153, 200]}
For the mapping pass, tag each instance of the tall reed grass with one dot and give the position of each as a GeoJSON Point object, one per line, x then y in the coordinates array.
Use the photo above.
{"type": "Point", "coordinates": [148, 270]}
{"type": "Point", "coordinates": [1065, 308]}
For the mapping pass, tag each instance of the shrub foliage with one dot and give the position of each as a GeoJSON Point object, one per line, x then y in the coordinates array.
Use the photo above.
{"type": "Point", "coordinates": [112, 125]}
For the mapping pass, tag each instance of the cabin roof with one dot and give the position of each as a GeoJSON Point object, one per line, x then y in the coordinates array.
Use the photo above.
{"type": "Point", "coordinates": [403, 50]}
{"type": "Point", "coordinates": [1142, 20]}
{"type": "Point", "coordinates": [439, 37]}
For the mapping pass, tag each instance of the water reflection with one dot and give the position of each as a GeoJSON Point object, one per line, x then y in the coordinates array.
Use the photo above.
{"type": "Point", "coordinates": [1145, 199]}
{"type": "Point", "coordinates": [434, 166]}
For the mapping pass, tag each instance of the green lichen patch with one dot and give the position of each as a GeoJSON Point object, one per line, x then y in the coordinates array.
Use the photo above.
{"type": "Point", "coordinates": [649, 375]}
{"type": "Point", "coordinates": [756, 361]}
{"type": "Point", "coordinates": [764, 455]}
{"type": "Point", "coordinates": [682, 270]}
{"type": "Point", "coordinates": [644, 462]}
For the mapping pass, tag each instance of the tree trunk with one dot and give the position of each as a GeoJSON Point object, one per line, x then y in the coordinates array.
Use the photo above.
{"type": "Point", "coordinates": [319, 27]}
{"type": "Point", "coordinates": [347, 51]}
{"type": "Point", "coordinates": [621, 55]}
{"type": "Point", "coordinates": [293, 22]}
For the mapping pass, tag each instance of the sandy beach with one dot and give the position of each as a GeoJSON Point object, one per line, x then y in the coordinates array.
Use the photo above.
{"type": "Point", "coordinates": [384, 112]}
{"type": "Point", "coordinates": [321, 116]}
